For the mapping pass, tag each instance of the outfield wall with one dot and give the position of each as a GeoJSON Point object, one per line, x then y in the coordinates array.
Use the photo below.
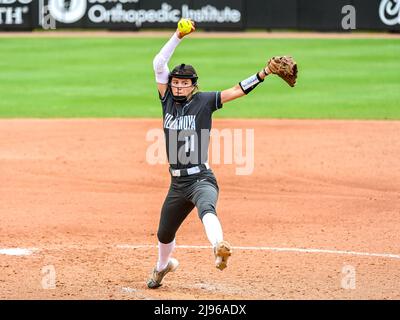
{"type": "Point", "coordinates": [217, 15]}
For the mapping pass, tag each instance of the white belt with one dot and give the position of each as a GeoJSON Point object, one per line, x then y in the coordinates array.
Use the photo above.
{"type": "Point", "coordinates": [189, 171]}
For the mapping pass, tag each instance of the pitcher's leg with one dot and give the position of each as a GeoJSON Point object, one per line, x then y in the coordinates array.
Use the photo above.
{"type": "Point", "coordinates": [205, 196]}
{"type": "Point", "coordinates": [174, 211]}
{"type": "Point", "coordinates": [213, 228]}
{"type": "Point", "coordinates": [164, 254]}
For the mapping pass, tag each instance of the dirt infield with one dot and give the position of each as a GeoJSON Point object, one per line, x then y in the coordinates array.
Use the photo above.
{"type": "Point", "coordinates": [200, 34]}
{"type": "Point", "coordinates": [81, 194]}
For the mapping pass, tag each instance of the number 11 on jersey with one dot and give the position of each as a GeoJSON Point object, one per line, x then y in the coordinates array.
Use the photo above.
{"type": "Point", "coordinates": [189, 144]}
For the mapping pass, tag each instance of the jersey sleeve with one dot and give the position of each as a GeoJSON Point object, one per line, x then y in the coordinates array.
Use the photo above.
{"type": "Point", "coordinates": [212, 100]}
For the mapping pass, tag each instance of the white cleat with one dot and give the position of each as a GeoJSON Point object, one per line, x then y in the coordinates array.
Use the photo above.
{"type": "Point", "coordinates": [157, 276]}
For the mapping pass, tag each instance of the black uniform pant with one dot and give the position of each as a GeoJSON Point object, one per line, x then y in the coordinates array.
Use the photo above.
{"type": "Point", "coordinates": [198, 190]}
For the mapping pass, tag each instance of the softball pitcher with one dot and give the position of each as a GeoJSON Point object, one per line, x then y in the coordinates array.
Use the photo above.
{"type": "Point", "coordinates": [187, 115]}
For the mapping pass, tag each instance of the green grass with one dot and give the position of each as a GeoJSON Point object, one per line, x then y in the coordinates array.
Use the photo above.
{"type": "Point", "coordinates": [113, 77]}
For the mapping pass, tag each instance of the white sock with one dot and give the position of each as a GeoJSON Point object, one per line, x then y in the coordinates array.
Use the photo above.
{"type": "Point", "coordinates": [213, 228]}
{"type": "Point", "coordinates": [164, 253]}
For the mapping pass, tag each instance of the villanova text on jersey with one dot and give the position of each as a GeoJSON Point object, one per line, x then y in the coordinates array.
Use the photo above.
{"type": "Point", "coordinates": [180, 123]}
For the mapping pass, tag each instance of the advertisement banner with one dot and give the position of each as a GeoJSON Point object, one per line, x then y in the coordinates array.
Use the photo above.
{"type": "Point", "coordinates": [212, 15]}
{"type": "Point", "coordinates": [378, 14]}
{"type": "Point", "coordinates": [16, 14]}
{"type": "Point", "coordinates": [136, 14]}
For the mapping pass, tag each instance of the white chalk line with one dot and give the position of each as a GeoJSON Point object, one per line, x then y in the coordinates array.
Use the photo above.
{"type": "Point", "coordinates": [18, 251]}
{"type": "Point", "coordinates": [30, 251]}
{"type": "Point", "coordinates": [298, 250]}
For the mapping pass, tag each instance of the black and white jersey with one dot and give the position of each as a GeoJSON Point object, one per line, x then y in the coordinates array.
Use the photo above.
{"type": "Point", "coordinates": [187, 128]}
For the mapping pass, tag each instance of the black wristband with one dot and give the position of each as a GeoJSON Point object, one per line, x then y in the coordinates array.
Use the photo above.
{"type": "Point", "coordinates": [250, 83]}
{"type": "Point", "coordinates": [265, 72]}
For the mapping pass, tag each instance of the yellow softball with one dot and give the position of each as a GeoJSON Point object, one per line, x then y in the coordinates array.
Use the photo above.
{"type": "Point", "coordinates": [184, 26]}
